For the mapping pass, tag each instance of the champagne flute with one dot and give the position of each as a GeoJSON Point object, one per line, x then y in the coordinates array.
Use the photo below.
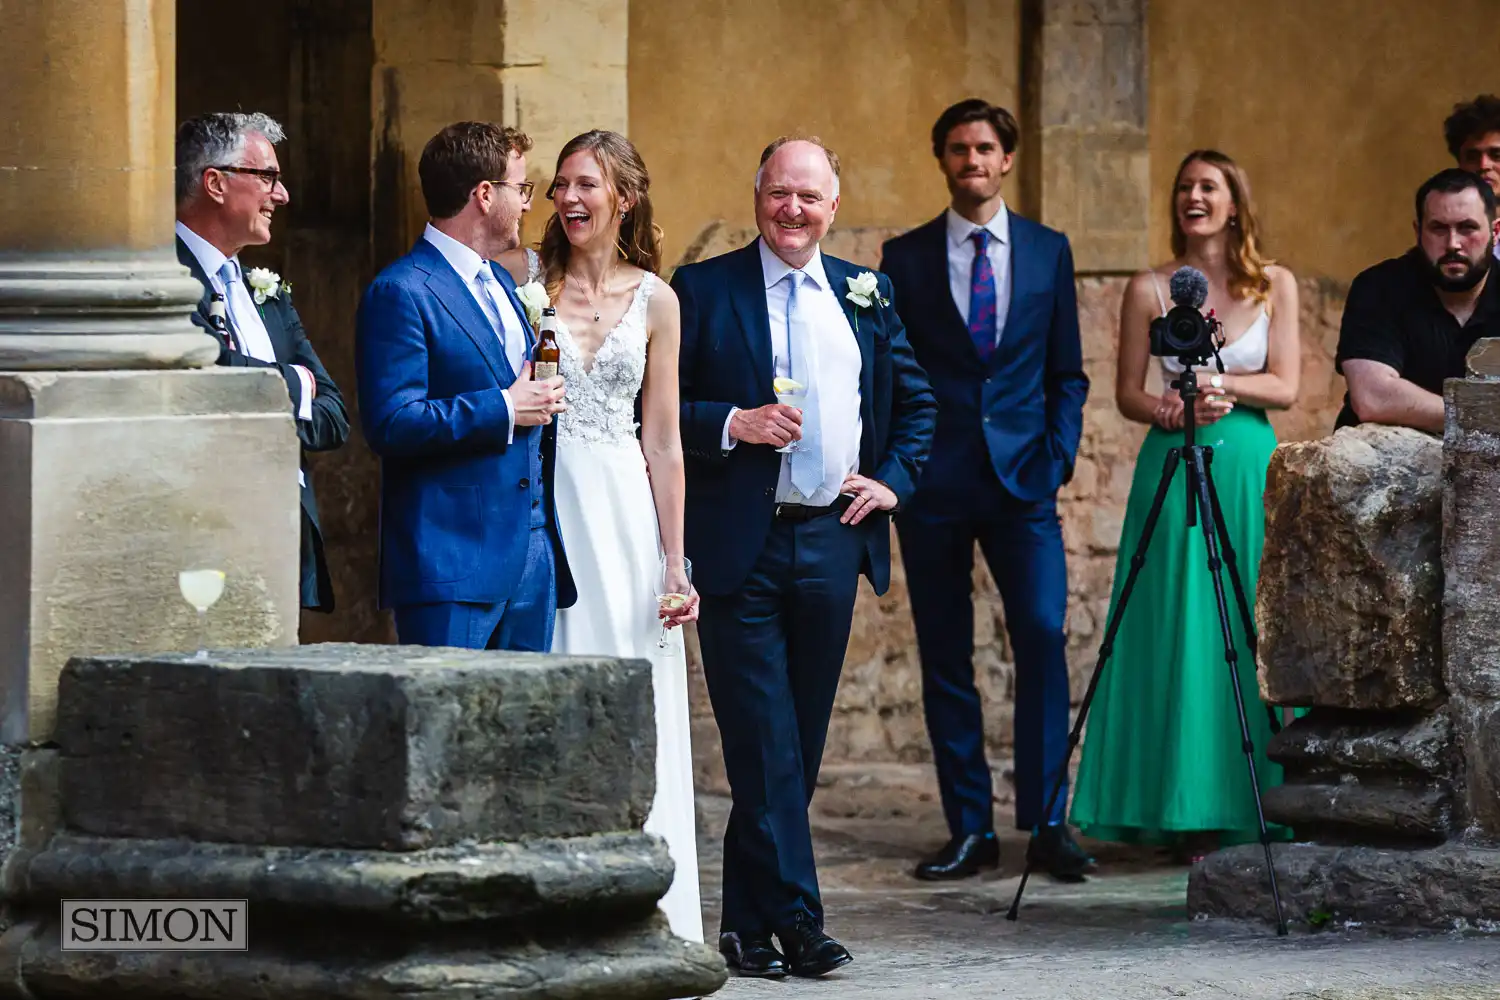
{"type": "Point", "coordinates": [201, 588]}
{"type": "Point", "coordinates": [789, 392]}
{"type": "Point", "coordinates": [674, 582]}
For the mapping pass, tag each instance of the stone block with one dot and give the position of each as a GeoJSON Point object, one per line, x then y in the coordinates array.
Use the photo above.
{"type": "Point", "coordinates": [1476, 723]}
{"type": "Point", "coordinates": [380, 747]}
{"type": "Point", "coordinates": [1471, 539]}
{"type": "Point", "coordinates": [1318, 745]}
{"type": "Point", "coordinates": [1451, 887]}
{"type": "Point", "coordinates": [112, 482]}
{"type": "Point", "coordinates": [608, 873]}
{"type": "Point", "coordinates": [1349, 594]}
{"type": "Point", "coordinates": [1484, 358]}
{"type": "Point", "coordinates": [1357, 810]}
{"type": "Point", "coordinates": [636, 961]}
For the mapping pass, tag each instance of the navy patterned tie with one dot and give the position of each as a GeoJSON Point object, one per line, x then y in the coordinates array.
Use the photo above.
{"type": "Point", "coordinates": [983, 305]}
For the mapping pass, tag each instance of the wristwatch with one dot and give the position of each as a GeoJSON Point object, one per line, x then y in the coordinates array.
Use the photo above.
{"type": "Point", "coordinates": [1217, 381]}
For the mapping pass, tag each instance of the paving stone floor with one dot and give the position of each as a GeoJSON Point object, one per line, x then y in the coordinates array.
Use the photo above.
{"type": "Point", "coordinates": [1122, 936]}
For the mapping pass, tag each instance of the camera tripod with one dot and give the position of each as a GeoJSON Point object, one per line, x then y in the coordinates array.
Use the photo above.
{"type": "Point", "coordinates": [1202, 497]}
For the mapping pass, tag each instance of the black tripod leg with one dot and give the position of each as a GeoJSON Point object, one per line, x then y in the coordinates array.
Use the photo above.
{"type": "Point", "coordinates": [1137, 560]}
{"type": "Point", "coordinates": [1247, 619]}
{"type": "Point", "coordinates": [1231, 657]}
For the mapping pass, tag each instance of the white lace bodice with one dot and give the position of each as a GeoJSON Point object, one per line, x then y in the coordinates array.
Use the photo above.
{"type": "Point", "coordinates": [601, 400]}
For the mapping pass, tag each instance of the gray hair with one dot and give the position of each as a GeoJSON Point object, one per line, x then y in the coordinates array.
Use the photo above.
{"type": "Point", "coordinates": [215, 140]}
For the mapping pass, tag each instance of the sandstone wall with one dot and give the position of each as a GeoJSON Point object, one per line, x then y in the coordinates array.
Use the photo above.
{"type": "Point", "coordinates": [878, 716]}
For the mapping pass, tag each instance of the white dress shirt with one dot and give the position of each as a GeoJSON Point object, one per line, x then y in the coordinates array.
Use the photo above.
{"type": "Point", "coordinates": [491, 300]}
{"type": "Point", "coordinates": [836, 370]}
{"type": "Point", "coordinates": [244, 318]}
{"type": "Point", "coordinates": [961, 263]}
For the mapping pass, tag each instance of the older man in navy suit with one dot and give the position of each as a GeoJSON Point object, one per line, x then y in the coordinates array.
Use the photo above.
{"type": "Point", "coordinates": [988, 300]}
{"type": "Point", "coordinates": [779, 540]}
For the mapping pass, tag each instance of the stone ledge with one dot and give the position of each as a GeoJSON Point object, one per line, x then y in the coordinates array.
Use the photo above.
{"type": "Point", "coordinates": [114, 395]}
{"type": "Point", "coordinates": [642, 962]}
{"type": "Point", "coordinates": [1360, 809]}
{"type": "Point", "coordinates": [1446, 888]}
{"type": "Point", "coordinates": [484, 882]}
{"type": "Point", "coordinates": [1316, 743]}
{"type": "Point", "coordinates": [355, 746]}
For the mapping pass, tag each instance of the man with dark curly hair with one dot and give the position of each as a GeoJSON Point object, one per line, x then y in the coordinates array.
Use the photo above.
{"type": "Point", "coordinates": [1472, 132]}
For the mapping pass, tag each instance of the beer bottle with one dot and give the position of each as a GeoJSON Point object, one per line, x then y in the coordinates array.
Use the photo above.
{"type": "Point", "coordinates": [545, 357]}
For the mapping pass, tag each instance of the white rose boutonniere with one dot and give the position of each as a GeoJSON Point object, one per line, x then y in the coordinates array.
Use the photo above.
{"type": "Point", "coordinates": [533, 296]}
{"type": "Point", "coordinates": [265, 284]}
{"type": "Point", "coordinates": [864, 291]}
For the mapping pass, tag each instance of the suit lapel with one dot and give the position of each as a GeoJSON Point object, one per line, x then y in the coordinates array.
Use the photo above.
{"type": "Point", "coordinates": [935, 258]}
{"type": "Point", "coordinates": [508, 283]}
{"type": "Point", "coordinates": [747, 294]}
{"type": "Point", "coordinates": [186, 258]}
{"type": "Point", "coordinates": [862, 323]}
{"type": "Point", "coordinates": [460, 304]}
{"type": "Point", "coordinates": [1023, 276]}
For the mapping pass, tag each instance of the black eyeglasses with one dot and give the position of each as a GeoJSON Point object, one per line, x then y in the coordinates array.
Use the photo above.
{"type": "Point", "coordinates": [525, 187]}
{"type": "Point", "coordinates": [265, 173]}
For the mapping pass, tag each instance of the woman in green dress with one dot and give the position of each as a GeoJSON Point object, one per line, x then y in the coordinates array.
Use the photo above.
{"type": "Point", "coordinates": [1163, 761]}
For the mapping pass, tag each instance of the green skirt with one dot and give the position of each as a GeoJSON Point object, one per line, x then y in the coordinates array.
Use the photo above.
{"type": "Point", "coordinates": [1162, 751]}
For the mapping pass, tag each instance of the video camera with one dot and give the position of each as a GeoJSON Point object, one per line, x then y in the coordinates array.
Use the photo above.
{"type": "Point", "coordinates": [1184, 332]}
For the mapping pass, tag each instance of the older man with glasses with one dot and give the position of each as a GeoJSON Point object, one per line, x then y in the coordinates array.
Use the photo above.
{"type": "Point", "coordinates": [228, 188]}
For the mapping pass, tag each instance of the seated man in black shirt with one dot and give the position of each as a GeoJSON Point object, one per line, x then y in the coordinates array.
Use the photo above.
{"type": "Point", "coordinates": [1409, 321]}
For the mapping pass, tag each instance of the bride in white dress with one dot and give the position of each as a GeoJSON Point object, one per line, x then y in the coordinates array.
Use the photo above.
{"type": "Point", "coordinates": [619, 498]}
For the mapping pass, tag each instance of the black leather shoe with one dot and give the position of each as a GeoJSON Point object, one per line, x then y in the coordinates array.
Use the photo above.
{"type": "Point", "coordinates": [1054, 851]}
{"type": "Point", "coordinates": [752, 956]}
{"type": "Point", "coordinates": [961, 857]}
{"type": "Point", "coordinates": [810, 952]}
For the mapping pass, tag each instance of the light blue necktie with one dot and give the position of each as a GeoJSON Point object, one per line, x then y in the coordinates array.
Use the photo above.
{"type": "Point", "coordinates": [807, 459]}
{"type": "Point", "coordinates": [490, 294]}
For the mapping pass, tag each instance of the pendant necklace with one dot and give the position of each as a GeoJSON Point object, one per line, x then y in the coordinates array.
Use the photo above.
{"type": "Point", "coordinates": [590, 298]}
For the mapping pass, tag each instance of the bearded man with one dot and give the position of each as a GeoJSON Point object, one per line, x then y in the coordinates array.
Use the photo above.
{"type": "Point", "coordinates": [1409, 321]}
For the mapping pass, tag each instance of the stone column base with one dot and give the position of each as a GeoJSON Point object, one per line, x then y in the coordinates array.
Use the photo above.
{"type": "Point", "coordinates": [113, 482]}
{"type": "Point", "coordinates": [1453, 887]}
{"type": "Point", "coordinates": [124, 311]}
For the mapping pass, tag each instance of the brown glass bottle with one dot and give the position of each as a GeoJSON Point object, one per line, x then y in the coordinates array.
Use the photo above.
{"type": "Point", "coordinates": [544, 357]}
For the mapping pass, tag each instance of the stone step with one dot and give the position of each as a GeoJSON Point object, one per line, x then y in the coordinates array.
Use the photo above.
{"type": "Point", "coordinates": [483, 882]}
{"type": "Point", "coordinates": [1445, 888]}
{"type": "Point", "coordinates": [639, 962]}
{"type": "Point", "coordinates": [1356, 809]}
{"type": "Point", "coordinates": [359, 746]}
{"type": "Point", "coordinates": [1319, 743]}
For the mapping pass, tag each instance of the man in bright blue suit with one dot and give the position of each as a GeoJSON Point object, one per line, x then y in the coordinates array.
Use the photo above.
{"type": "Point", "coordinates": [470, 554]}
{"type": "Point", "coordinates": [779, 540]}
{"type": "Point", "coordinates": [988, 300]}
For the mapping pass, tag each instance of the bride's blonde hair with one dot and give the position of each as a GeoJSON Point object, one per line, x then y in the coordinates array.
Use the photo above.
{"type": "Point", "coordinates": [625, 176]}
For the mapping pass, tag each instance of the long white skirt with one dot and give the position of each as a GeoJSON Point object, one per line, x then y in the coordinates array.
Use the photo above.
{"type": "Point", "coordinates": [607, 517]}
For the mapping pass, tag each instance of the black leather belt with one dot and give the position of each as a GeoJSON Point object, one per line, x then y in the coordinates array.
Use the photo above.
{"type": "Point", "coordinates": [799, 512]}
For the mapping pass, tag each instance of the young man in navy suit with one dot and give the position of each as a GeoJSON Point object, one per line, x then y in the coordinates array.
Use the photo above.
{"type": "Point", "coordinates": [470, 554]}
{"type": "Point", "coordinates": [988, 302]}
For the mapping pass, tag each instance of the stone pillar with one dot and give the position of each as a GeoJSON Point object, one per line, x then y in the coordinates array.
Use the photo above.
{"type": "Point", "coordinates": [88, 275]}
{"type": "Point", "coordinates": [525, 63]}
{"type": "Point", "coordinates": [113, 479]}
{"type": "Point", "coordinates": [1471, 597]}
{"type": "Point", "coordinates": [1084, 159]}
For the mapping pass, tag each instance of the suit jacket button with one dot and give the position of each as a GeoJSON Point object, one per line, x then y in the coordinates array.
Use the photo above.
{"type": "Point", "coordinates": [770, 491]}
{"type": "Point", "coordinates": [535, 504]}
{"type": "Point", "coordinates": [525, 483]}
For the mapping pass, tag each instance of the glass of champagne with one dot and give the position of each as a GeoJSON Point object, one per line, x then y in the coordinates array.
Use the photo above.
{"type": "Point", "coordinates": [674, 582]}
{"type": "Point", "coordinates": [789, 392]}
{"type": "Point", "coordinates": [201, 588]}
